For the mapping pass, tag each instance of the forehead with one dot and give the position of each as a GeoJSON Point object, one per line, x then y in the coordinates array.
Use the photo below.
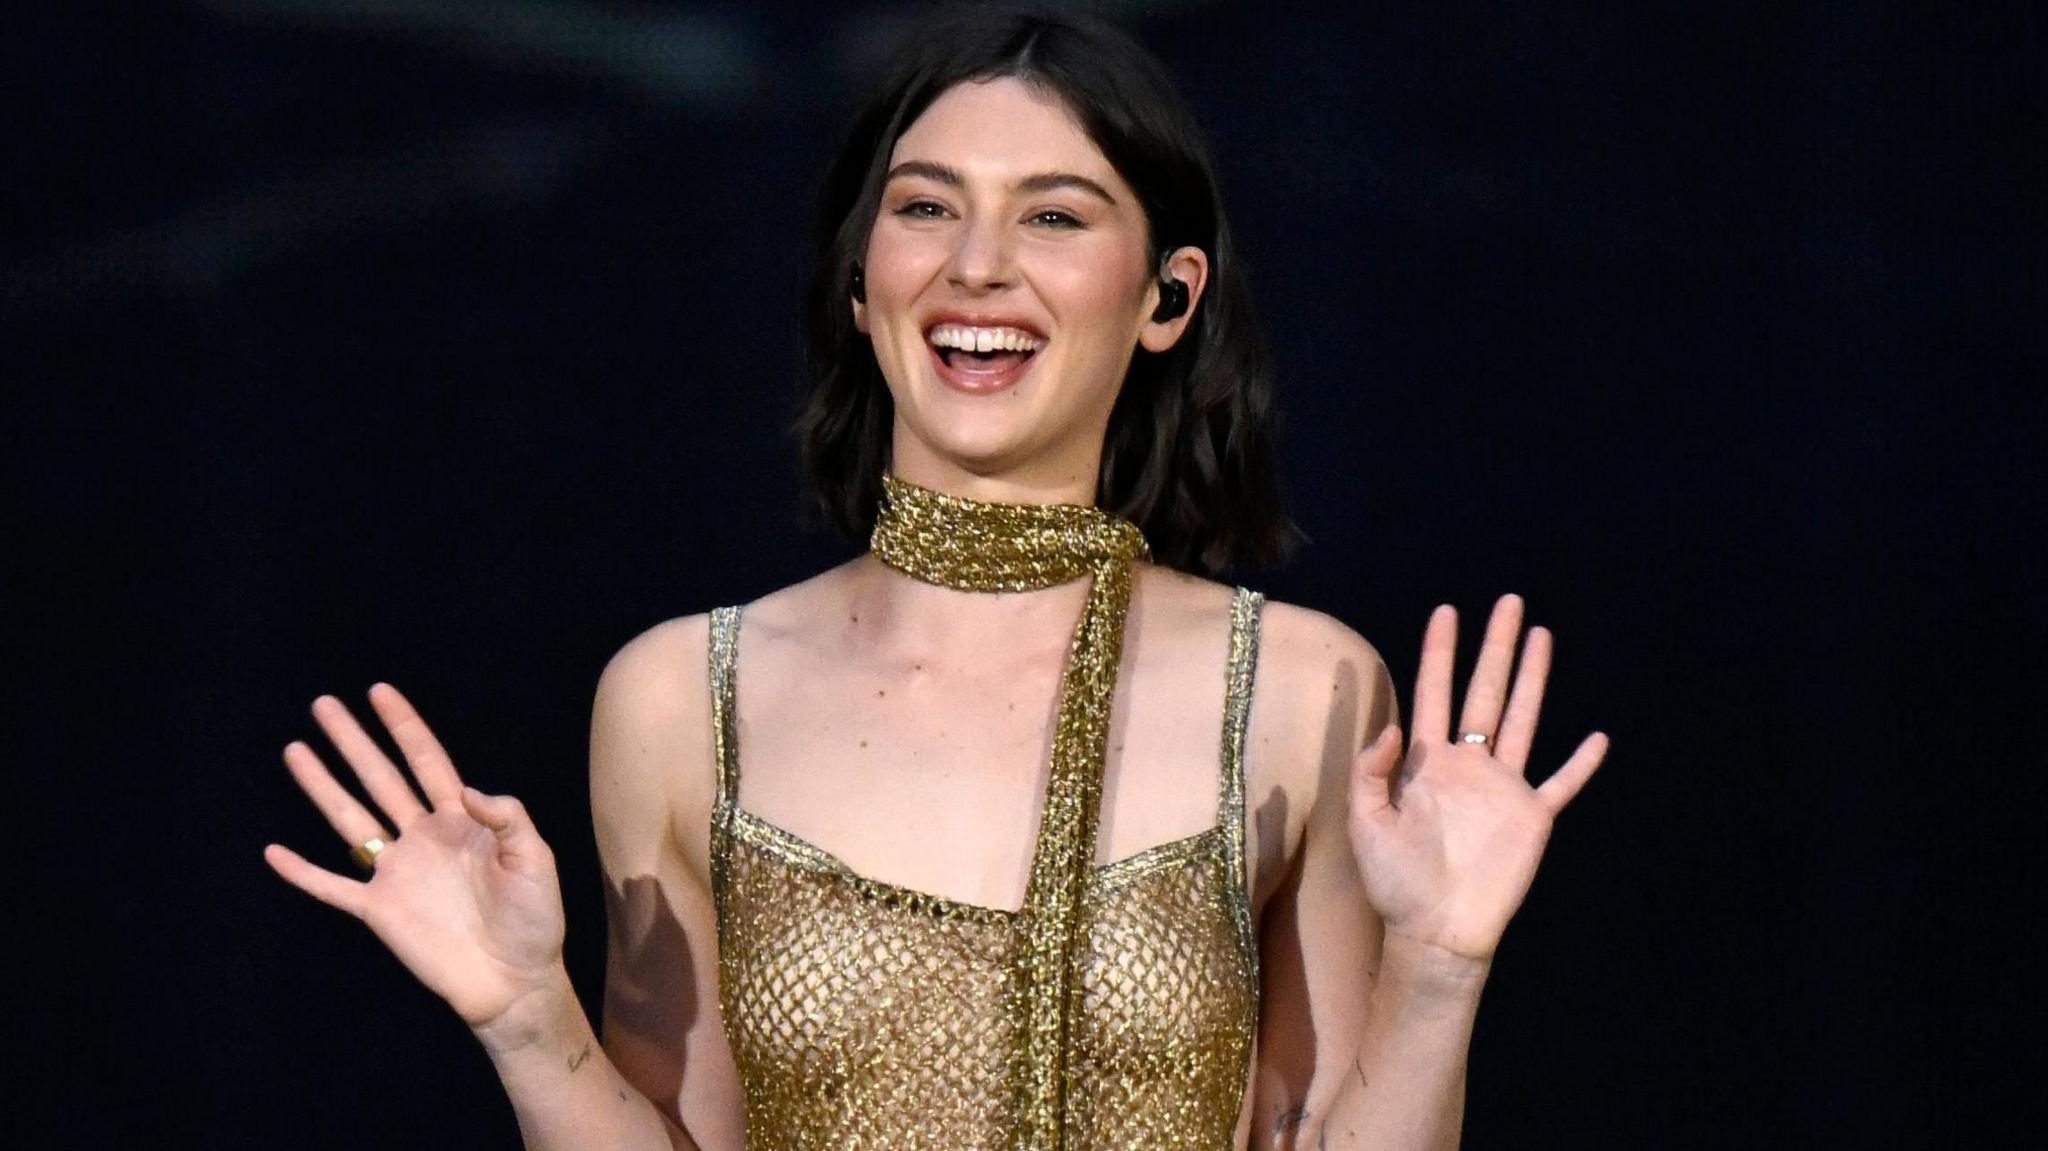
{"type": "Point", "coordinates": [1002, 127]}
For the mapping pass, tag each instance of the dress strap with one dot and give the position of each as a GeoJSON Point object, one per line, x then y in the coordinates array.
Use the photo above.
{"type": "Point", "coordinates": [725, 742]}
{"type": "Point", "coordinates": [725, 635]}
{"type": "Point", "coordinates": [1237, 707]}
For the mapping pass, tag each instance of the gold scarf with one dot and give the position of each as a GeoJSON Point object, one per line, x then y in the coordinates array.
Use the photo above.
{"type": "Point", "coordinates": [979, 546]}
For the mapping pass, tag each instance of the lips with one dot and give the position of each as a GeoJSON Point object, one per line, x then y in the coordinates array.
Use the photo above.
{"type": "Point", "coordinates": [979, 353]}
{"type": "Point", "coordinates": [980, 374]}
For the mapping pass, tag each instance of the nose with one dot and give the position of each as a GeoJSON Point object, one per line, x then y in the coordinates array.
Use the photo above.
{"type": "Point", "coordinates": [981, 256]}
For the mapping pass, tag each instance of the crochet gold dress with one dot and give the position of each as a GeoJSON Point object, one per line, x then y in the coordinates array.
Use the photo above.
{"type": "Point", "coordinates": [867, 1015]}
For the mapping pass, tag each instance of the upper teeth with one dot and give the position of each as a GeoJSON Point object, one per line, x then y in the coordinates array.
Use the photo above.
{"type": "Point", "coordinates": [983, 339]}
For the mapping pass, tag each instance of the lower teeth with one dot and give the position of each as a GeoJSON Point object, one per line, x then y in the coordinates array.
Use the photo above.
{"type": "Point", "coordinates": [952, 356]}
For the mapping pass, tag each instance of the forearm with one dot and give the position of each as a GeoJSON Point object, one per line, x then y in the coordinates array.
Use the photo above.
{"type": "Point", "coordinates": [1406, 1087]}
{"type": "Point", "coordinates": [565, 1091]}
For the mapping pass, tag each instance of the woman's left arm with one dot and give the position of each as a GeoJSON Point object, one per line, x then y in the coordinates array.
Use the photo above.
{"type": "Point", "coordinates": [1379, 943]}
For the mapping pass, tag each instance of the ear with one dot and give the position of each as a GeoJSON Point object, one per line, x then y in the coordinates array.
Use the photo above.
{"type": "Point", "coordinates": [1190, 266]}
{"type": "Point", "coordinates": [857, 293]}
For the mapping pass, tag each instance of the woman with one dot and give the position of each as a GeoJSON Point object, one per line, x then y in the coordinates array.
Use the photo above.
{"type": "Point", "coordinates": [907, 922]}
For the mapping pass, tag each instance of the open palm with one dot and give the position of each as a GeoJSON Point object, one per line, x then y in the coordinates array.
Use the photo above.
{"type": "Point", "coordinates": [1448, 838]}
{"type": "Point", "coordinates": [465, 894]}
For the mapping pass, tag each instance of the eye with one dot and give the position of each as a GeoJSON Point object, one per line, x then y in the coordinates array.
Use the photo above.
{"type": "Point", "coordinates": [921, 210]}
{"type": "Point", "coordinates": [1058, 218]}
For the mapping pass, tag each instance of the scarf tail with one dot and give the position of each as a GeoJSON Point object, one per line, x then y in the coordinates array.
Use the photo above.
{"type": "Point", "coordinates": [982, 546]}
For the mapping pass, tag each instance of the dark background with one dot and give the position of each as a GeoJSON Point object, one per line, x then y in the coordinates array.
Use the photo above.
{"type": "Point", "coordinates": [451, 344]}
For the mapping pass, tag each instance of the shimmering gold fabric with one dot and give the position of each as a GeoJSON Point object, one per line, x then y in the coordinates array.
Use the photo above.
{"type": "Point", "coordinates": [980, 546]}
{"type": "Point", "coordinates": [1114, 1010]}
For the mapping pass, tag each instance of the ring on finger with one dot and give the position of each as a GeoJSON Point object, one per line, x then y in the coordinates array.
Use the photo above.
{"type": "Point", "coordinates": [1479, 737]}
{"type": "Point", "coordinates": [365, 853]}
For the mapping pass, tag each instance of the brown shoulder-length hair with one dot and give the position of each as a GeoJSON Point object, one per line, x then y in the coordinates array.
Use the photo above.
{"type": "Point", "coordinates": [1188, 455]}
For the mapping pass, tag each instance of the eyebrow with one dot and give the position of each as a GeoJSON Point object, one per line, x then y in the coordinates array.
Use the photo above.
{"type": "Point", "coordinates": [1039, 182]}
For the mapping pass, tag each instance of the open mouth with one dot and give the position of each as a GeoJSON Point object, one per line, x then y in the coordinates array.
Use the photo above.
{"type": "Point", "coordinates": [982, 359]}
{"type": "Point", "coordinates": [965, 361]}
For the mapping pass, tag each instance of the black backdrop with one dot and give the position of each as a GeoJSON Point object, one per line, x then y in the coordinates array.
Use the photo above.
{"type": "Point", "coordinates": [451, 344]}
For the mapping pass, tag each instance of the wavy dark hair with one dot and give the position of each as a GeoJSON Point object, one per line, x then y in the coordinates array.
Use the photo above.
{"type": "Point", "coordinates": [1188, 454]}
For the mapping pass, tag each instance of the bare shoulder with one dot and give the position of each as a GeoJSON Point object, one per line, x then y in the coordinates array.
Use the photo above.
{"type": "Point", "coordinates": [1310, 662]}
{"type": "Point", "coordinates": [653, 775]}
{"type": "Point", "coordinates": [650, 739]}
{"type": "Point", "coordinates": [1322, 693]}
{"type": "Point", "coordinates": [1303, 646]}
{"type": "Point", "coordinates": [1293, 639]}
{"type": "Point", "coordinates": [641, 678]}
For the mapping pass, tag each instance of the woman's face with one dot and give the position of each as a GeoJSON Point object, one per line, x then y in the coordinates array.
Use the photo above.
{"type": "Point", "coordinates": [1003, 228]}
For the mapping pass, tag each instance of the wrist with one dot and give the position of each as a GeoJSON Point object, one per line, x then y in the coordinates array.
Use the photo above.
{"type": "Point", "coordinates": [1430, 970]}
{"type": "Point", "coordinates": [550, 1008]}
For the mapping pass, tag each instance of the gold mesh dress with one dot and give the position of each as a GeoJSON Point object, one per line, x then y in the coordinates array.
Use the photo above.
{"type": "Point", "coordinates": [867, 1015]}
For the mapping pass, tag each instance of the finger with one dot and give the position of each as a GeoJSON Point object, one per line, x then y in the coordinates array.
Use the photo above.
{"type": "Point", "coordinates": [1378, 759]}
{"type": "Point", "coordinates": [507, 819]}
{"type": "Point", "coordinates": [381, 778]}
{"type": "Point", "coordinates": [1518, 727]}
{"type": "Point", "coordinates": [323, 885]}
{"type": "Point", "coordinates": [1372, 781]}
{"type": "Point", "coordinates": [416, 742]}
{"type": "Point", "coordinates": [349, 818]}
{"type": "Point", "coordinates": [1488, 690]}
{"type": "Point", "coordinates": [1565, 783]}
{"type": "Point", "coordinates": [1433, 677]}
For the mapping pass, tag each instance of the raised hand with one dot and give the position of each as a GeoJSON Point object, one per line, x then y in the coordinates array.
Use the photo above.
{"type": "Point", "coordinates": [465, 892]}
{"type": "Point", "coordinates": [1448, 843]}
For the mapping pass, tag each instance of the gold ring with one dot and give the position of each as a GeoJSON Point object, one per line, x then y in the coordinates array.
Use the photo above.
{"type": "Point", "coordinates": [366, 855]}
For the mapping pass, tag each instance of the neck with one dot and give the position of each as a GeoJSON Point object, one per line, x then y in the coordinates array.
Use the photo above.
{"type": "Point", "coordinates": [1045, 481]}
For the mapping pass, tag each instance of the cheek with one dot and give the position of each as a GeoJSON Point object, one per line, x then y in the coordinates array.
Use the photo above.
{"type": "Point", "coordinates": [899, 264]}
{"type": "Point", "coordinates": [1097, 294]}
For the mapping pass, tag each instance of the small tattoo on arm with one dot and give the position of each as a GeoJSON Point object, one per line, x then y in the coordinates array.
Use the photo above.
{"type": "Point", "coordinates": [577, 1059]}
{"type": "Point", "coordinates": [1288, 1121]}
{"type": "Point", "coordinates": [1356, 1066]}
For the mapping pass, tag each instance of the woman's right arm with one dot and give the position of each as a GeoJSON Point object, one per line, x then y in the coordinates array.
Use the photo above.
{"type": "Point", "coordinates": [466, 896]}
{"type": "Point", "coordinates": [661, 1075]}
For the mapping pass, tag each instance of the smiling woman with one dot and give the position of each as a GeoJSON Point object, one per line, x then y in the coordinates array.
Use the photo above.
{"type": "Point", "coordinates": [1055, 153]}
{"type": "Point", "coordinates": [1025, 233]}
{"type": "Point", "coordinates": [1044, 840]}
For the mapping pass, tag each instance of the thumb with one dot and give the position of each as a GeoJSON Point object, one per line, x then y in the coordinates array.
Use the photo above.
{"type": "Point", "coordinates": [507, 819]}
{"type": "Point", "coordinates": [1378, 759]}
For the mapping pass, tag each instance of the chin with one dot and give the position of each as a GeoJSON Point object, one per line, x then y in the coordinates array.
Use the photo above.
{"type": "Point", "coordinates": [1002, 432]}
{"type": "Point", "coordinates": [971, 426]}
{"type": "Point", "coordinates": [981, 443]}
{"type": "Point", "coordinates": [981, 452]}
